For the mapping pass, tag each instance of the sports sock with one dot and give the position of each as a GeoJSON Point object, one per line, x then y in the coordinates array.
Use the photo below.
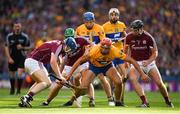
{"type": "Point", "coordinates": [143, 99]}
{"type": "Point", "coordinates": [31, 94]}
{"type": "Point", "coordinates": [167, 100]}
{"type": "Point", "coordinates": [91, 99]}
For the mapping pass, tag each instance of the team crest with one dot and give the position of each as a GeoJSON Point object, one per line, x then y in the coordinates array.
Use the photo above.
{"type": "Point", "coordinates": [88, 33]}
{"type": "Point", "coordinates": [116, 30]}
{"type": "Point", "coordinates": [93, 33]}
{"type": "Point", "coordinates": [144, 41]}
{"type": "Point", "coordinates": [121, 52]}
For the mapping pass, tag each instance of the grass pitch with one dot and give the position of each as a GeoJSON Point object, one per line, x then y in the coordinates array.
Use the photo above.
{"type": "Point", "coordinates": [8, 104]}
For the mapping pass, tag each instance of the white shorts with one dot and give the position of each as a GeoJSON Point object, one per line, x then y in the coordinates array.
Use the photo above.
{"type": "Point", "coordinates": [67, 69]}
{"type": "Point", "coordinates": [147, 68]}
{"type": "Point", "coordinates": [32, 65]}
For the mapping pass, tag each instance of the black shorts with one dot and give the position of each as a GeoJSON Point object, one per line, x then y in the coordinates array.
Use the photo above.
{"type": "Point", "coordinates": [17, 64]}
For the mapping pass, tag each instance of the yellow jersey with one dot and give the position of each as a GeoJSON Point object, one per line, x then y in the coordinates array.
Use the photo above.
{"type": "Point", "coordinates": [99, 60]}
{"type": "Point", "coordinates": [114, 32]}
{"type": "Point", "coordinates": [96, 34]}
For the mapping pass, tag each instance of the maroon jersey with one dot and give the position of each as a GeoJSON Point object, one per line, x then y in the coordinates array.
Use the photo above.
{"type": "Point", "coordinates": [43, 52]}
{"type": "Point", "coordinates": [140, 45]}
{"type": "Point", "coordinates": [74, 56]}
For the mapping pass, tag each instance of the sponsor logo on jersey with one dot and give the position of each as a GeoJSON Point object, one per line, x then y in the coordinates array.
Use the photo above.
{"type": "Point", "coordinates": [133, 41]}
{"type": "Point", "coordinates": [117, 35]}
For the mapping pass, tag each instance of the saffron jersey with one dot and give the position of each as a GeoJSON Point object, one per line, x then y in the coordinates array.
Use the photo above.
{"type": "Point", "coordinates": [115, 32]}
{"type": "Point", "coordinates": [96, 34]}
{"type": "Point", "coordinates": [99, 60]}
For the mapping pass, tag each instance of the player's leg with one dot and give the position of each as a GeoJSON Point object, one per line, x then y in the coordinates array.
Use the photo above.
{"type": "Point", "coordinates": [77, 79]}
{"type": "Point", "coordinates": [115, 77]}
{"type": "Point", "coordinates": [20, 71]}
{"type": "Point", "coordinates": [52, 94]}
{"type": "Point", "coordinates": [42, 82]}
{"type": "Point", "coordinates": [40, 75]}
{"type": "Point", "coordinates": [57, 86]}
{"type": "Point", "coordinates": [156, 76]}
{"type": "Point", "coordinates": [90, 89]}
{"type": "Point", "coordinates": [119, 64]}
{"type": "Point", "coordinates": [32, 87]}
{"type": "Point", "coordinates": [85, 82]}
{"type": "Point", "coordinates": [133, 77]}
{"type": "Point", "coordinates": [121, 69]}
{"type": "Point", "coordinates": [107, 88]}
{"type": "Point", "coordinates": [91, 95]}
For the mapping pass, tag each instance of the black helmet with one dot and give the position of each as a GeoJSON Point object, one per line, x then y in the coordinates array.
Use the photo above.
{"type": "Point", "coordinates": [137, 24]}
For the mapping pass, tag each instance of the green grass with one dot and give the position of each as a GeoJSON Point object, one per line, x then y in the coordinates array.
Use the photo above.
{"type": "Point", "coordinates": [8, 104]}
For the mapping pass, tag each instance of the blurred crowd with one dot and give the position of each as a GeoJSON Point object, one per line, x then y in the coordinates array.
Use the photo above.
{"type": "Point", "coordinates": [47, 19]}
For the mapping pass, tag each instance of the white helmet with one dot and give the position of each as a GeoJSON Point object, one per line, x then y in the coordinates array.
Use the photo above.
{"type": "Point", "coordinates": [115, 10]}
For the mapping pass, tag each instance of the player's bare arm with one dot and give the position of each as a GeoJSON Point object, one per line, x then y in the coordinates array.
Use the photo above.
{"type": "Point", "coordinates": [126, 50]}
{"type": "Point", "coordinates": [82, 59]}
{"type": "Point", "coordinates": [55, 66]}
{"type": "Point", "coordinates": [63, 63]}
{"type": "Point", "coordinates": [144, 77]}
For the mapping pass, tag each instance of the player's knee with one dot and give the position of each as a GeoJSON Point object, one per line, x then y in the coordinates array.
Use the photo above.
{"type": "Point", "coordinates": [46, 84]}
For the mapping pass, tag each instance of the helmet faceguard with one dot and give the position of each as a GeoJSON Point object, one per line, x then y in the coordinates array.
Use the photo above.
{"type": "Point", "coordinates": [106, 42]}
{"type": "Point", "coordinates": [105, 46]}
{"type": "Point", "coordinates": [114, 15]}
{"type": "Point", "coordinates": [70, 44]}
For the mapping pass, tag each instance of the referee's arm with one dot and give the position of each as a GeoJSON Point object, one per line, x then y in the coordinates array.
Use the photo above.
{"type": "Point", "coordinates": [28, 44]}
{"type": "Point", "coordinates": [10, 60]}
